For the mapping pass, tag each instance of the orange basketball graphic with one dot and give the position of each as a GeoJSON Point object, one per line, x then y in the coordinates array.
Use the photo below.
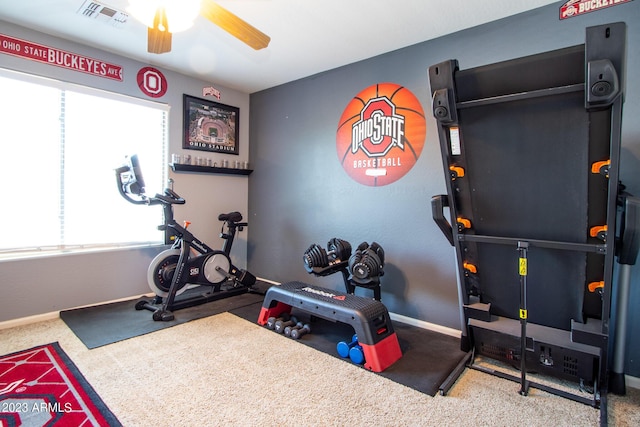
{"type": "Point", "coordinates": [381, 134]}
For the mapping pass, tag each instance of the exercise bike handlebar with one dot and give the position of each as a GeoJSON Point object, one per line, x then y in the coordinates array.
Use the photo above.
{"type": "Point", "coordinates": [126, 191]}
{"type": "Point", "coordinates": [170, 197]}
{"type": "Point", "coordinates": [131, 186]}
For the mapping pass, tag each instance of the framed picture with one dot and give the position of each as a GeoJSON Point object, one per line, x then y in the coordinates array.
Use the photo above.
{"type": "Point", "coordinates": [210, 126]}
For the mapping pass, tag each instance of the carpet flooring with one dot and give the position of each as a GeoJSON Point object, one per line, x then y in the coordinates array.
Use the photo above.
{"type": "Point", "coordinates": [108, 323]}
{"type": "Point", "coordinates": [223, 370]}
{"type": "Point", "coordinates": [427, 357]}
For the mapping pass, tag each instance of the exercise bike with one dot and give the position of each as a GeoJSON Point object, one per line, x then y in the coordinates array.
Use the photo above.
{"type": "Point", "coordinates": [189, 264]}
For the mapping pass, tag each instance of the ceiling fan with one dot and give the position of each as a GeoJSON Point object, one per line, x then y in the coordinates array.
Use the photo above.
{"type": "Point", "coordinates": [160, 28]}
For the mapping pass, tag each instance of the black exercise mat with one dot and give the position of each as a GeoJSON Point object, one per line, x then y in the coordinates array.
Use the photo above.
{"type": "Point", "coordinates": [108, 323]}
{"type": "Point", "coordinates": [428, 357]}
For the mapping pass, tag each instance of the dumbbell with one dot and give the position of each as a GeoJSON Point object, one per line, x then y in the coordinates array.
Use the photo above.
{"type": "Point", "coordinates": [343, 348]}
{"type": "Point", "coordinates": [288, 329]}
{"type": "Point", "coordinates": [366, 263]}
{"type": "Point", "coordinates": [271, 321]}
{"type": "Point", "coordinates": [297, 333]}
{"type": "Point", "coordinates": [317, 257]}
{"type": "Point", "coordinates": [281, 324]}
{"type": "Point", "coordinates": [356, 354]}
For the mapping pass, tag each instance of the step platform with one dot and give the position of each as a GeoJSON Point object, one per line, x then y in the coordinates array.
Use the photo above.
{"type": "Point", "coordinates": [369, 318]}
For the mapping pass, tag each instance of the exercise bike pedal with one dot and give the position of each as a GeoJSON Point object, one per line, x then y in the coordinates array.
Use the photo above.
{"type": "Point", "coordinates": [141, 305]}
{"type": "Point", "coordinates": [163, 315]}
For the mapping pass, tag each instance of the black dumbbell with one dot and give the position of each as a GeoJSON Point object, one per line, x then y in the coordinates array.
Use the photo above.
{"type": "Point", "coordinates": [281, 324]}
{"type": "Point", "coordinates": [288, 329]}
{"type": "Point", "coordinates": [298, 333]}
{"type": "Point", "coordinates": [271, 321]}
{"type": "Point", "coordinates": [343, 348]}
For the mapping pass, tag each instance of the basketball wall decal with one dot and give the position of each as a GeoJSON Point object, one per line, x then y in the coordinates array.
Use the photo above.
{"type": "Point", "coordinates": [381, 134]}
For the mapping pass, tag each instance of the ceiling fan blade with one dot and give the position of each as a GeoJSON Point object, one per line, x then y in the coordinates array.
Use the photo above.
{"type": "Point", "coordinates": [234, 25]}
{"type": "Point", "coordinates": [158, 36]}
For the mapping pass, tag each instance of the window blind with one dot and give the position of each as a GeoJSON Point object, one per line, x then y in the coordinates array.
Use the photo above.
{"type": "Point", "coordinates": [61, 143]}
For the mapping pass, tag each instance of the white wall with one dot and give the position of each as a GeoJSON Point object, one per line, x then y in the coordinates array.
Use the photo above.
{"type": "Point", "coordinates": [52, 283]}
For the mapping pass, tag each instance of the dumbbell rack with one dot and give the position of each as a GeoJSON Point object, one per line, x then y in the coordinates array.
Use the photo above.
{"type": "Point", "coordinates": [349, 284]}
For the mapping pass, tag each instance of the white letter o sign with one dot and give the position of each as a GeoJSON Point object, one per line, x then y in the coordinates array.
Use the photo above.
{"type": "Point", "coordinates": [152, 82]}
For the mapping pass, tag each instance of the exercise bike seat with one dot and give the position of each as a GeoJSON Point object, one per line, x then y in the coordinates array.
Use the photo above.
{"type": "Point", "coordinates": [231, 216]}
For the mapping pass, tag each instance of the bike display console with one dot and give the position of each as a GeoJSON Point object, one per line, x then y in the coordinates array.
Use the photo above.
{"type": "Point", "coordinates": [531, 153]}
{"type": "Point", "coordinates": [369, 318]}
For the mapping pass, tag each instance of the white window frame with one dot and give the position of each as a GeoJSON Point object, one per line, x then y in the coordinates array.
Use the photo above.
{"type": "Point", "coordinates": [123, 211]}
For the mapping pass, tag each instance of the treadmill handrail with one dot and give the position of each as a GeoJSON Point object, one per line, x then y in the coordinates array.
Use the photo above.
{"type": "Point", "coordinates": [438, 203]}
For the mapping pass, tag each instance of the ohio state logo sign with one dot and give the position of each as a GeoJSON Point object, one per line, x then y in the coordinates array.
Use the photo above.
{"type": "Point", "coordinates": [379, 129]}
{"type": "Point", "coordinates": [152, 82]}
{"type": "Point", "coordinates": [579, 7]}
{"type": "Point", "coordinates": [381, 134]}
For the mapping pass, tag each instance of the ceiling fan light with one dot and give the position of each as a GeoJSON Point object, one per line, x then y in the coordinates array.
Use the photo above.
{"type": "Point", "coordinates": [180, 13]}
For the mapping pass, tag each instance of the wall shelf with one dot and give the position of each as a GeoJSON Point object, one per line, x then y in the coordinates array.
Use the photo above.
{"type": "Point", "coordinates": [178, 167]}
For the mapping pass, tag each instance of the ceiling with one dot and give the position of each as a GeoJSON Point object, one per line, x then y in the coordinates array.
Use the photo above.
{"type": "Point", "coordinates": [306, 37]}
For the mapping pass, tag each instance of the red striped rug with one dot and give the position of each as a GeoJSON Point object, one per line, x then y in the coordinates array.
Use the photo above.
{"type": "Point", "coordinates": [42, 387]}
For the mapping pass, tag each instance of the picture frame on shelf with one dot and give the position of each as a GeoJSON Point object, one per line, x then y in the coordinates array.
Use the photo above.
{"type": "Point", "coordinates": [210, 126]}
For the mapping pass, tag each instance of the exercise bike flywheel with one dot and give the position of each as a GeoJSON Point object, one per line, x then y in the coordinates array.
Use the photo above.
{"type": "Point", "coordinates": [161, 270]}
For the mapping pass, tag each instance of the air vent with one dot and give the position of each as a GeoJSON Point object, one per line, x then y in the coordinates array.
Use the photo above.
{"type": "Point", "coordinates": [570, 366]}
{"type": "Point", "coordinates": [499, 352]}
{"type": "Point", "coordinates": [98, 11]}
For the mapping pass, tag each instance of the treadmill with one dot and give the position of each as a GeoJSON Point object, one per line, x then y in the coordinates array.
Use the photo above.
{"type": "Point", "coordinates": [531, 154]}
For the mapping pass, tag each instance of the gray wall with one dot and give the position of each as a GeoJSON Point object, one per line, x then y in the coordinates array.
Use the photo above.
{"type": "Point", "coordinates": [45, 284]}
{"type": "Point", "coordinates": [299, 193]}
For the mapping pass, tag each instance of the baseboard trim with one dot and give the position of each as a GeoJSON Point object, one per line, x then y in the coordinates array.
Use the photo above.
{"type": "Point", "coordinates": [29, 320]}
{"type": "Point", "coordinates": [425, 325]}
{"type": "Point", "coordinates": [22, 321]}
{"type": "Point", "coordinates": [633, 382]}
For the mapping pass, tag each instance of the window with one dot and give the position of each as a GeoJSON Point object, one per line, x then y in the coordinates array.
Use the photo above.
{"type": "Point", "coordinates": [60, 146]}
